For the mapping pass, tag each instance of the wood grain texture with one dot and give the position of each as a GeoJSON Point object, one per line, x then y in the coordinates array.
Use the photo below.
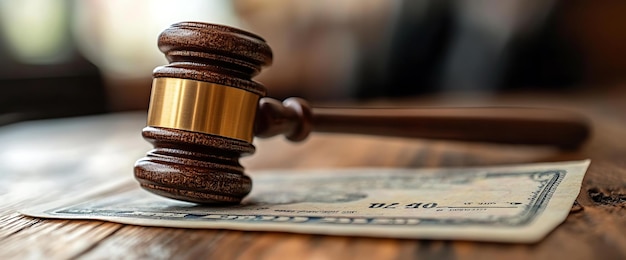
{"type": "Point", "coordinates": [213, 53]}
{"type": "Point", "coordinates": [190, 165]}
{"type": "Point", "coordinates": [48, 160]}
{"type": "Point", "coordinates": [194, 167]}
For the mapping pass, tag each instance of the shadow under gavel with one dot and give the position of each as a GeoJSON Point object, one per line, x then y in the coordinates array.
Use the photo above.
{"type": "Point", "coordinates": [205, 110]}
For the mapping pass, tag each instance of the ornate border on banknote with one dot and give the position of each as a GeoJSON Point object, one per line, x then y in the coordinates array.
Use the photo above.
{"type": "Point", "coordinates": [507, 203]}
{"type": "Point", "coordinates": [548, 181]}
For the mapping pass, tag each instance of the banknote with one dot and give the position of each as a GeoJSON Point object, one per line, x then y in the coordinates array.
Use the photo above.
{"type": "Point", "coordinates": [508, 203]}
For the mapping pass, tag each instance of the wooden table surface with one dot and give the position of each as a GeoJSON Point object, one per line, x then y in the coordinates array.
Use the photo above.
{"type": "Point", "coordinates": [46, 160]}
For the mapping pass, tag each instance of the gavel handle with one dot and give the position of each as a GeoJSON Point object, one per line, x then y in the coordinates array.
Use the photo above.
{"type": "Point", "coordinates": [507, 125]}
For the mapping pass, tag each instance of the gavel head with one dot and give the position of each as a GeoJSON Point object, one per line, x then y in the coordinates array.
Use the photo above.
{"type": "Point", "coordinates": [202, 112]}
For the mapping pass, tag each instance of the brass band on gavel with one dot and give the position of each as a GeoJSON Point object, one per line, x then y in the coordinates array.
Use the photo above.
{"type": "Point", "coordinates": [203, 107]}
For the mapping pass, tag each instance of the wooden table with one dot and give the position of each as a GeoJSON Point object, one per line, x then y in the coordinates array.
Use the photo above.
{"type": "Point", "coordinates": [47, 160]}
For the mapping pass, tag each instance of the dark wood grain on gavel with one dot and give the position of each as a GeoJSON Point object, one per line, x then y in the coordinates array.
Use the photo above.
{"type": "Point", "coordinates": [198, 161]}
{"type": "Point", "coordinates": [508, 125]}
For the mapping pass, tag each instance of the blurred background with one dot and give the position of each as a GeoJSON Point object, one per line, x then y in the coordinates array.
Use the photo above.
{"type": "Point", "coordinates": [68, 57]}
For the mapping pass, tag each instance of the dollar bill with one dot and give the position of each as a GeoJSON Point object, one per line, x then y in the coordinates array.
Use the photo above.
{"type": "Point", "coordinates": [515, 203]}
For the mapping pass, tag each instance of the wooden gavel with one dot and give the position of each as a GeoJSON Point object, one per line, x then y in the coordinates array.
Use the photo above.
{"type": "Point", "coordinates": [205, 110]}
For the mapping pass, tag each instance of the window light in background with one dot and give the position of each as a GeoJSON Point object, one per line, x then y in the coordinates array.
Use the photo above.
{"type": "Point", "coordinates": [121, 36]}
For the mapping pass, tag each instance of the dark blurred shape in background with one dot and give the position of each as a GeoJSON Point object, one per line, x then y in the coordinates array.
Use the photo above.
{"type": "Point", "coordinates": [67, 58]}
{"type": "Point", "coordinates": [42, 73]}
